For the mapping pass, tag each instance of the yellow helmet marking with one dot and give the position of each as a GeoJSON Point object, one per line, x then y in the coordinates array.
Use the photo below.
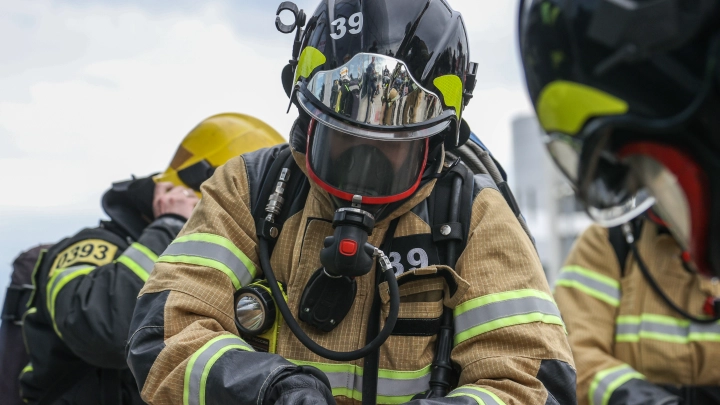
{"type": "Point", "coordinates": [451, 88]}
{"type": "Point", "coordinates": [310, 58]}
{"type": "Point", "coordinates": [566, 106]}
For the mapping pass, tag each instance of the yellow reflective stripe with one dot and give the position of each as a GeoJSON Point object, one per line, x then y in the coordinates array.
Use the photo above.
{"type": "Point", "coordinates": [502, 296]}
{"type": "Point", "coordinates": [200, 363]}
{"type": "Point", "coordinates": [134, 267]}
{"type": "Point", "coordinates": [591, 283]}
{"type": "Point", "coordinates": [607, 381]}
{"type": "Point", "coordinates": [27, 369]}
{"type": "Point", "coordinates": [139, 259]}
{"type": "Point", "coordinates": [631, 328]}
{"type": "Point", "coordinates": [60, 279]}
{"type": "Point", "coordinates": [212, 251]}
{"type": "Point", "coordinates": [394, 387]}
{"type": "Point", "coordinates": [481, 395]}
{"type": "Point", "coordinates": [565, 107]}
{"type": "Point", "coordinates": [491, 312]}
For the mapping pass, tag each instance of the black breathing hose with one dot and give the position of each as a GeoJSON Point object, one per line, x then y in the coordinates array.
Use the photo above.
{"type": "Point", "coordinates": [656, 287]}
{"type": "Point", "coordinates": [305, 339]}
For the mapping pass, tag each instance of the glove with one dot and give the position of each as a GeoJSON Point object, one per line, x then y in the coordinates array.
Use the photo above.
{"type": "Point", "coordinates": [303, 385]}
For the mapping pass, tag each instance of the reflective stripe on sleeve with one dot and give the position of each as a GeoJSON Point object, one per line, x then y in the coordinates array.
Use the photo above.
{"type": "Point", "coordinates": [480, 395]}
{"type": "Point", "coordinates": [27, 369]}
{"type": "Point", "coordinates": [198, 368]}
{"type": "Point", "coordinates": [664, 328]}
{"type": "Point", "coordinates": [212, 251]}
{"type": "Point", "coordinates": [56, 283]}
{"type": "Point", "coordinates": [487, 313]}
{"type": "Point", "coordinates": [591, 283]}
{"type": "Point", "coordinates": [394, 387]}
{"type": "Point", "coordinates": [139, 259]}
{"type": "Point", "coordinates": [607, 381]}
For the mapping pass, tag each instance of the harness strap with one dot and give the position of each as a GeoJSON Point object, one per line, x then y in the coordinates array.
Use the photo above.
{"type": "Point", "coordinates": [296, 190]}
{"type": "Point", "coordinates": [16, 299]}
{"type": "Point", "coordinates": [371, 363]}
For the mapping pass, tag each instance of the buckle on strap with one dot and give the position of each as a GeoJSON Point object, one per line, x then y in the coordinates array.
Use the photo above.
{"type": "Point", "coordinates": [16, 299]}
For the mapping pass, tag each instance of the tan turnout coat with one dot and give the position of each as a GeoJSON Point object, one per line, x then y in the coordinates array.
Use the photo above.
{"type": "Point", "coordinates": [500, 358]}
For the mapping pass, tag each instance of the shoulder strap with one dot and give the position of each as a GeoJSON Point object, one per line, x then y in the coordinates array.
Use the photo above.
{"type": "Point", "coordinates": [616, 237]}
{"type": "Point", "coordinates": [620, 246]}
{"type": "Point", "coordinates": [294, 193]}
{"type": "Point", "coordinates": [449, 209]}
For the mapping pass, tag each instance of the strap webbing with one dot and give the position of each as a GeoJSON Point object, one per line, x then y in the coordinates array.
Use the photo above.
{"type": "Point", "coordinates": [371, 363]}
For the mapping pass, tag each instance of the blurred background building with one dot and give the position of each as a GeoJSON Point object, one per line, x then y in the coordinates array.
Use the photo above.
{"type": "Point", "coordinates": [545, 198]}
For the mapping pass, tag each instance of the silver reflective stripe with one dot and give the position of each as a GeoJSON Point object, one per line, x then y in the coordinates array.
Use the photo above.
{"type": "Point", "coordinates": [140, 258]}
{"type": "Point", "coordinates": [704, 328]}
{"type": "Point", "coordinates": [605, 382]}
{"type": "Point", "coordinates": [201, 362]}
{"type": "Point", "coordinates": [485, 397]}
{"type": "Point", "coordinates": [589, 282]}
{"type": "Point", "coordinates": [211, 251]}
{"type": "Point", "coordinates": [386, 386]}
{"type": "Point", "coordinates": [665, 329]}
{"type": "Point", "coordinates": [503, 309]}
{"type": "Point", "coordinates": [634, 329]}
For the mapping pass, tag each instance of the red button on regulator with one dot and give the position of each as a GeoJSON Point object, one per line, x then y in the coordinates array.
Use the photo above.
{"type": "Point", "coordinates": [348, 247]}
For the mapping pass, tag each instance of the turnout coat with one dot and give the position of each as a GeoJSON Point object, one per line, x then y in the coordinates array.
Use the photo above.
{"type": "Point", "coordinates": [510, 343]}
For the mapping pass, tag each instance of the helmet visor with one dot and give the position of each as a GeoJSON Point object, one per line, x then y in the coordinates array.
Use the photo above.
{"type": "Point", "coordinates": [610, 191]}
{"type": "Point", "coordinates": [380, 171]}
{"type": "Point", "coordinates": [373, 90]}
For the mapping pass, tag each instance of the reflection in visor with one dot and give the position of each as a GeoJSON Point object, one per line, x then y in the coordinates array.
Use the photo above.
{"type": "Point", "coordinates": [375, 90]}
{"type": "Point", "coordinates": [379, 171]}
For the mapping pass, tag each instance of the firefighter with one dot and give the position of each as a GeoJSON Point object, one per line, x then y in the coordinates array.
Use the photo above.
{"type": "Point", "coordinates": [86, 285]}
{"type": "Point", "coordinates": [339, 292]}
{"type": "Point", "coordinates": [628, 95]}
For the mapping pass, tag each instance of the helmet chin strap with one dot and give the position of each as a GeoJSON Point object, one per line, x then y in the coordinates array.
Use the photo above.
{"type": "Point", "coordinates": [630, 238]}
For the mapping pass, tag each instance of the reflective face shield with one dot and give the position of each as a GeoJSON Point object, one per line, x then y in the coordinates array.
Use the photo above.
{"type": "Point", "coordinates": [611, 195]}
{"type": "Point", "coordinates": [381, 171]}
{"type": "Point", "coordinates": [378, 92]}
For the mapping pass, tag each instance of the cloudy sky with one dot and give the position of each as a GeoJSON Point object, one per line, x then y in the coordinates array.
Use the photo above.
{"type": "Point", "coordinates": [94, 91]}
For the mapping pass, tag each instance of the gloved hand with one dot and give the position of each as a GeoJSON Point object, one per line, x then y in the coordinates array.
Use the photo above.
{"type": "Point", "coordinates": [303, 385]}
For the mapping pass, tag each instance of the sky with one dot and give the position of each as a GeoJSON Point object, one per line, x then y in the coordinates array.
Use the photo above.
{"type": "Point", "coordinates": [94, 91]}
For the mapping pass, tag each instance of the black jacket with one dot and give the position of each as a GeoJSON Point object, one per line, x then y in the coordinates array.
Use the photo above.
{"type": "Point", "coordinates": [86, 289]}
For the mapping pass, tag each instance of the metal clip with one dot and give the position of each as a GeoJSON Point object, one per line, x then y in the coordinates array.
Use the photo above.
{"type": "Point", "coordinates": [383, 260]}
{"type": "Point", "coordinates": [276, 200]}
{"type": "Point", "coordinates": [627, 231]}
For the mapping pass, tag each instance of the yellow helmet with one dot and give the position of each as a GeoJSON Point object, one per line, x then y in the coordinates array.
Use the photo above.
{"type": "Point", "coordinates": [212, 143]}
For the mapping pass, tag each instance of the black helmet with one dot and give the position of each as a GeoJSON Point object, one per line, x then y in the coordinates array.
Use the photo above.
{"type": "Point", "coordinates": [627, 91]}
{"type": "Point", "coordinates": [379, 79]}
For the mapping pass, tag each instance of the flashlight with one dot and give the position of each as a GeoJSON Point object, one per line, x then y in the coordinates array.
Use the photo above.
{"type": "Point", "coordinates": [254, 309]}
